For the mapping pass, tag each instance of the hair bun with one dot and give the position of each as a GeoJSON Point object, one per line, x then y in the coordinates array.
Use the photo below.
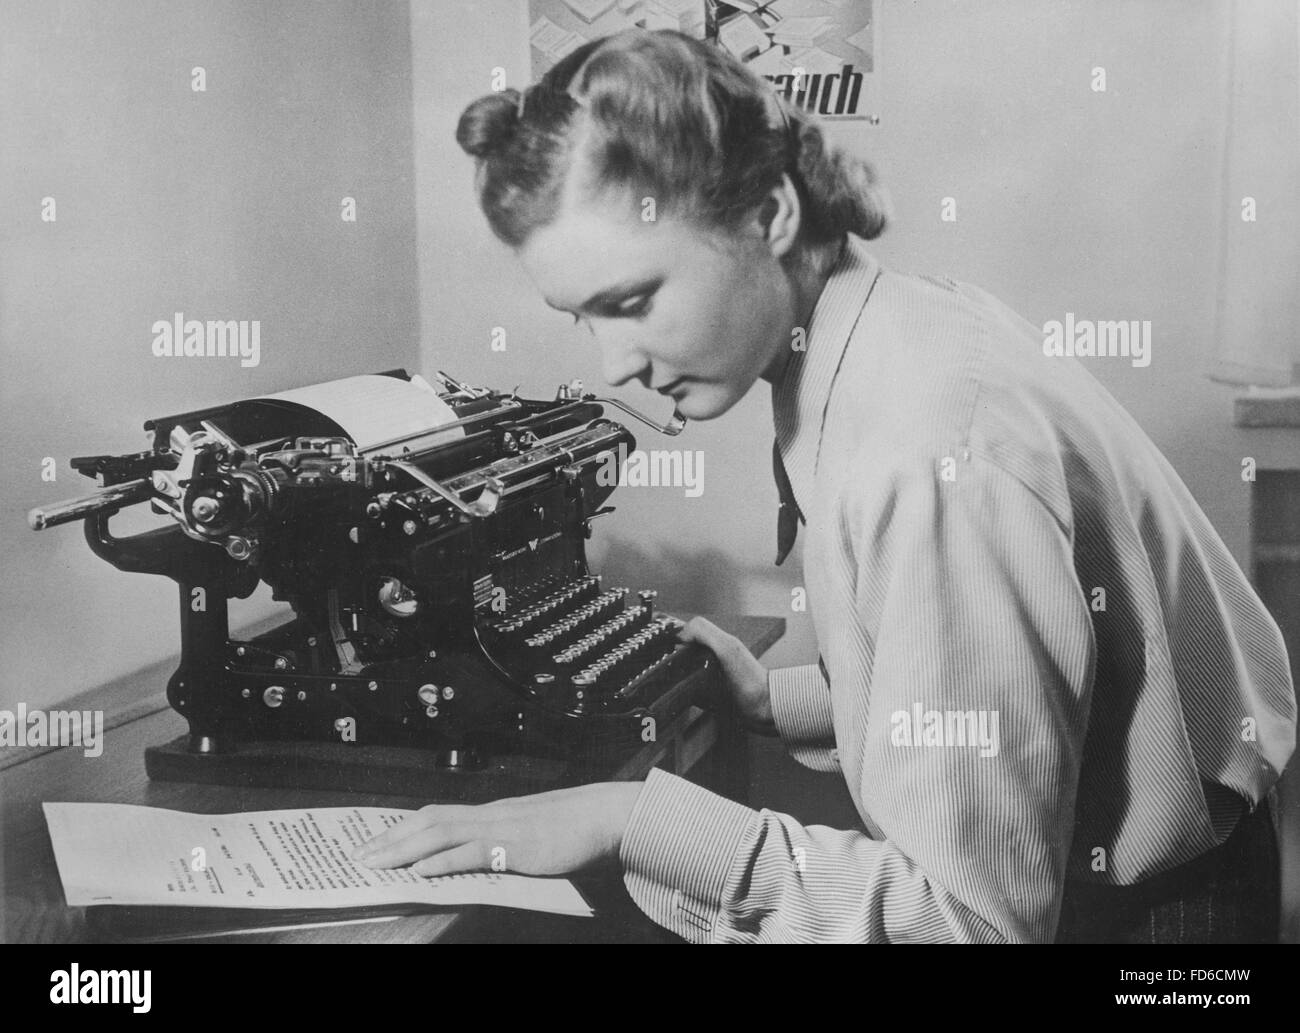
{"type": "Point", "coordinates": [488, 123]}
{"type": "Point", "coordinates": [844, 193]}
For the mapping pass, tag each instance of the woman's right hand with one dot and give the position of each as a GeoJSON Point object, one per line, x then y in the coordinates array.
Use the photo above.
{"type": "Point", "coordinates": [744, 677]}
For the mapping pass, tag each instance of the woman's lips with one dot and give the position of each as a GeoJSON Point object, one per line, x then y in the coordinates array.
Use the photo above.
{"type": "Point", "coordinates": [673, 386]}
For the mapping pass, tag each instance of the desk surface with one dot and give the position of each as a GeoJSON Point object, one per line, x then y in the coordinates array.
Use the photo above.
{"type": "Point", "coordinates": [34, 909]}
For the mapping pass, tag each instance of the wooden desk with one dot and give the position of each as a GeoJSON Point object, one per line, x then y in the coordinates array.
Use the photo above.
{"type": "Point", "coordinates": [34, 909]}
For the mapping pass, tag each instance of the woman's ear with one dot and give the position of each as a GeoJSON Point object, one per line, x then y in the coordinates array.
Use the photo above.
{"type": "Point", "coordinates": [780, 216]}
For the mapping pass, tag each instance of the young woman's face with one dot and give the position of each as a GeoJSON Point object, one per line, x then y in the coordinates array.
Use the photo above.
{"type": "Point", "coordinates": [672, 306]}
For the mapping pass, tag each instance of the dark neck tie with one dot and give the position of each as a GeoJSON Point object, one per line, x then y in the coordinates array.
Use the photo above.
{"type": "Point", "coordinates": [788, 516]}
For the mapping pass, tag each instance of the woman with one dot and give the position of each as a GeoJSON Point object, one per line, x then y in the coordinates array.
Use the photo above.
{"type": "Point", "coordinates": [1055, 699]}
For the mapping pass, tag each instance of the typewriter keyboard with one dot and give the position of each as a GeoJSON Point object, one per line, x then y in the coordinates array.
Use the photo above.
{"type": "Point", "coordinates": [584, 647]}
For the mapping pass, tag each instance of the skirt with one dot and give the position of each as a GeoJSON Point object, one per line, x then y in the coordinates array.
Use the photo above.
{"type": "Point", "coordinates": [1228, 895]}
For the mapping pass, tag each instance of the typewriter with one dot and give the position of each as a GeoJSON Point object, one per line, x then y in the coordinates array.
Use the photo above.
{"type": "Point", "coordinates": [430, 541]}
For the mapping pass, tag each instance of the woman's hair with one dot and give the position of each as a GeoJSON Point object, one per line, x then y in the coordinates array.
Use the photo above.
{"type": "Point", "coordinates": [661, 115]}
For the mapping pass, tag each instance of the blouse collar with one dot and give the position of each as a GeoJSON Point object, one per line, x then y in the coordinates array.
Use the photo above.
{"type": "Point", "coordinates": [801, 396]}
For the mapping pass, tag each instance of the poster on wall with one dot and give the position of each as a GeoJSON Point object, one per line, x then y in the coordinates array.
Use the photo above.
{"type": "Point", "coordinates": [819, 54]}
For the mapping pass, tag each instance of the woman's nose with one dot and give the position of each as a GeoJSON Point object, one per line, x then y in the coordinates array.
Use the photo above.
{"type": "Point", "coordinates": [621, 361]}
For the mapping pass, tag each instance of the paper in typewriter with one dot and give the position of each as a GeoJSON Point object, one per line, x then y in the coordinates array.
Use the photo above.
{"type": "Point", "coordinates": [147, 856]}
{"type": "Point", "coordinates": [374, 409]}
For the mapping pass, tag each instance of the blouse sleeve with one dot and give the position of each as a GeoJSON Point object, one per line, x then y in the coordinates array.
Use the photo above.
{"type": "Point", "coordinates": [801, 711]}
{"type": "Point", "coordinates": [971, 654]}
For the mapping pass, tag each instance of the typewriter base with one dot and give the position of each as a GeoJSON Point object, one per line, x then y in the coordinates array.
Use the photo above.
{"type": "Point", "coordinates": [407, 771]}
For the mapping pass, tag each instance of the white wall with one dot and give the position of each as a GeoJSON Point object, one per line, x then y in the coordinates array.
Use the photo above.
{"type": "Point", "coordinates": [223, 205]}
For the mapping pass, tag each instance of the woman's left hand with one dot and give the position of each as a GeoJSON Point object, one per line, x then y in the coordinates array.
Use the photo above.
{"type": "Point", "coordinates": [548, 834]}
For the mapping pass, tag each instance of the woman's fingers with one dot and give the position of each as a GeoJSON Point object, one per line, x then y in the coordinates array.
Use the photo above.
{"type": "Point", "coordinates": [444, 827]}
{"type": "Point", "coordinates": [421, 844]}
{"type": "Point", "coordinates": [726, 647]}
{"type": "Point", "coordinates": [431, 825]}
{"type": "Point", "coordinates": [706, 633]}
{"type": "Point", "coordinates": [468, 857]}
{"type": "Point", "coordinates": [552, 833]}
{"type": "Point", "coordinates": [745, 674]}
{"type": "Point", "coordinates": [739, 663]}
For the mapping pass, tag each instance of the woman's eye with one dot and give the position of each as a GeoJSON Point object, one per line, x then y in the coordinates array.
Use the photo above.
{"type": "Point", "coordinates": [629, 308]}
{"type": "Point", "coordinates": [632, 307]}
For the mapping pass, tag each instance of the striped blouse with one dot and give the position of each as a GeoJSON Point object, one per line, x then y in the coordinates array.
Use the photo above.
{"type": "Point", "coordinates": [1039, 661]}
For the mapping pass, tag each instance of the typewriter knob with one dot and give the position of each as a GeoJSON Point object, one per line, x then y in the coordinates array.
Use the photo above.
{"type": "Point", "coordinates": [397, 598]}
{"type": "Point", "coordinates": [206, 509]}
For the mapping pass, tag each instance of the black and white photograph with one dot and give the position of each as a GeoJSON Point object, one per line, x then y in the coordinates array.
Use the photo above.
{"type": "Point", "coordinates": [558, 472]}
